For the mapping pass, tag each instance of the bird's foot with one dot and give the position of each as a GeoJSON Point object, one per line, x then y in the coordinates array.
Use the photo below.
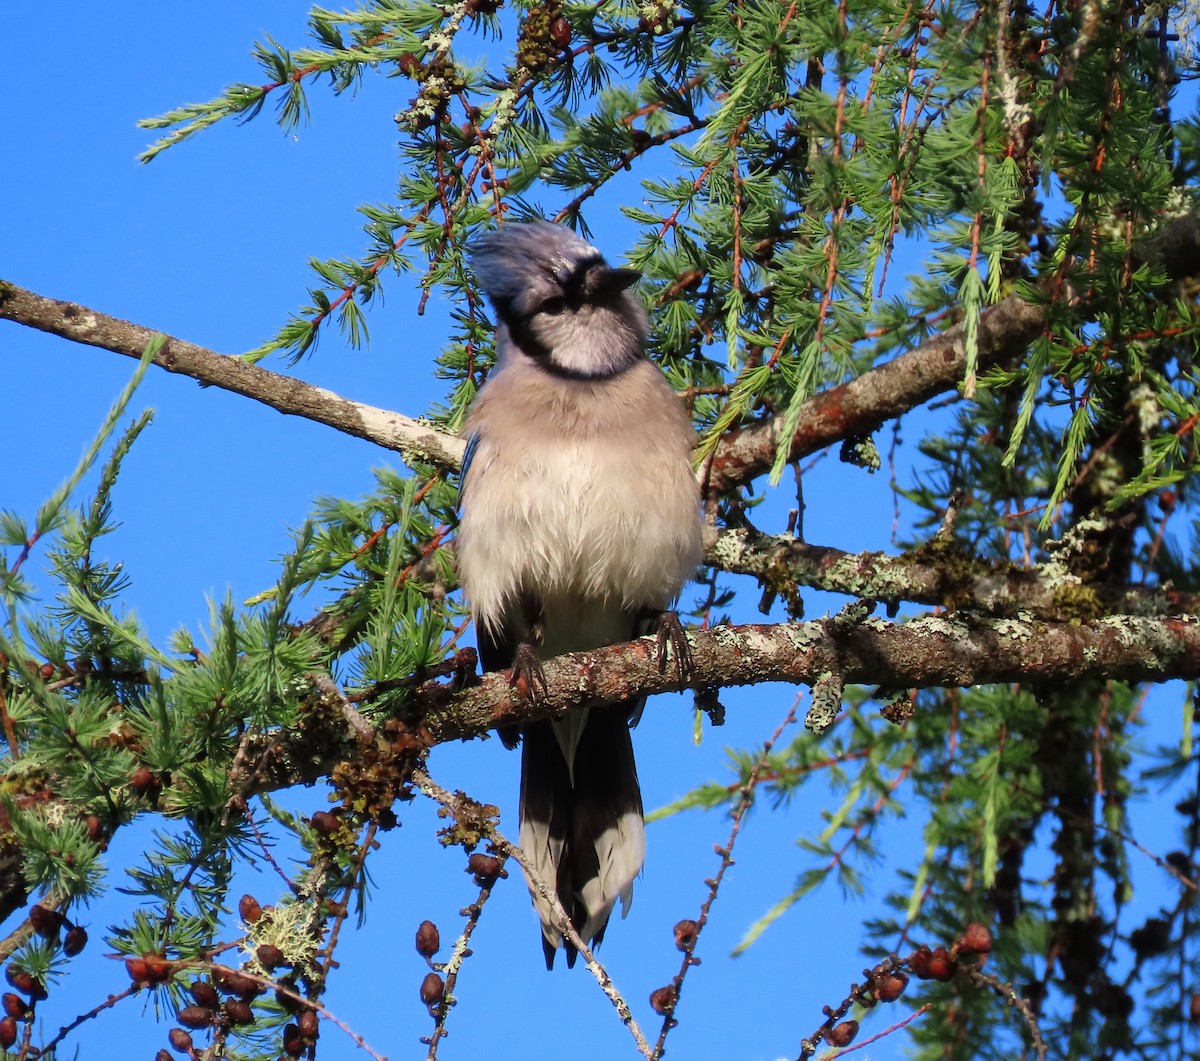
{"type": "Point", "coordinates": [527, 673]}
{"type": "Point", "coordinates": [673, 642]}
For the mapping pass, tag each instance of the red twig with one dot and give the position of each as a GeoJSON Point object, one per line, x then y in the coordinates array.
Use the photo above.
{"type": "Point", "coordinates": [373, 269]}
{"type": "Point", "coordinates": [919, 1012]}
{"type": "Point", "coordinates": [83, 1018]}
{"type": "Point", "coordinates": [266, 851]}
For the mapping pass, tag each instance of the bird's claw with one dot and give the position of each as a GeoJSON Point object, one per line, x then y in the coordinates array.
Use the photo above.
{"type": "Point", "coordinates": [673, 642]}
{"type": "Point", "coordinates": [527, 673]}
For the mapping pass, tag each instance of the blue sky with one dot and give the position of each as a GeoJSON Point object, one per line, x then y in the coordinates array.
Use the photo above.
{"type": "Point", "coordinates": [210, 243]}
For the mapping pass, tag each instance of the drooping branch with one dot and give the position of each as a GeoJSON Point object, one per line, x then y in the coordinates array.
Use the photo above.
{"type": "Point", "coordinates": [411, 438]}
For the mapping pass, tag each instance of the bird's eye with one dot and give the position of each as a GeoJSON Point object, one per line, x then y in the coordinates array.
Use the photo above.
{"type": "Point", "coordinates": [554, 306]}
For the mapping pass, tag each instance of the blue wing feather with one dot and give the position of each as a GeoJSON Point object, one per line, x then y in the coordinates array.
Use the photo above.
{"type": "Point", "coordinates": [468, 456]}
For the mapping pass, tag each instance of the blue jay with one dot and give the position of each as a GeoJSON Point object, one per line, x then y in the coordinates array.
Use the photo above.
{"type": "Point", "coordinates": [579, 524]}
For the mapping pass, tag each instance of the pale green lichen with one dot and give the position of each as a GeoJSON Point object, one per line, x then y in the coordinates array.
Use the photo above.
{"type": "Point", "coordinates": [826, 702]}
{"type": "Point", "coordinates": [287, 926]}
{"type": "Point", "coordinates": [1074, 541]}
{"type": "Point", "coordinates": [1126, 629]}
{"type": "Point", "coordinates": [729, 549]}
{"type": "Point", "coordinates": [853, 613]}
{"type": "Point", "coordinates": [1151, 604]}
{"type": "Point", "coordinates": [806, 634]}
{"type": "Point", "coordinates": [1157, 639]}
{"type": "Point", "coordinates": [942, 626]}
{"type": "Point", "coordinates": [1014, 629]}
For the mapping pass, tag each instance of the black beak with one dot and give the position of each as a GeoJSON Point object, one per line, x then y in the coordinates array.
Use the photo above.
{"type": "Point", "coordinates": [620, 279]}
{"type": "Point", "coordinates": [602, 281]}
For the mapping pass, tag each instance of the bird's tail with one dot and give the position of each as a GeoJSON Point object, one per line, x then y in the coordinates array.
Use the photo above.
{"type": "Point", "coordinates": [581, 819]}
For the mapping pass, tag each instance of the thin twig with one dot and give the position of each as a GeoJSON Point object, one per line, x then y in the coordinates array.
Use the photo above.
{"type": "Point", "coordinates": [562, 921]}
{"type": "Point", "coordinates": [1009, 994]}
{"type": "Point", "coordinates": [714, 883]}
{"type": "Point", "coordinates": [451, 969]}
{"type": "Point", "coordinates": [83, 1018]}
{"type": "Point", "coordinates": [265, 848]}
{"type": "Point", "coordinates": [288, 991]}
{"type": "Point", "coordinates": [1190, 883]}
{"type": "Point", "coordinates": [363, 729]}
{"type": "Point", "coordinates": [920, 1011]}
{"type": "Point", "coordinates": [860, 994]}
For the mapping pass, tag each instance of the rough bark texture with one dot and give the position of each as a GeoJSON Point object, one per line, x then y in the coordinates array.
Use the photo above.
{"type": "Point", "coordinates": [1175, 247]}
{"type": "Point", "coordinates": [938, 573]}
{"type": "Point", "coordinates": [944, 651]}
{"type": "Point", "coordinates": [930, 651]}
{"type": "Point", "coordinates": [863, 404]}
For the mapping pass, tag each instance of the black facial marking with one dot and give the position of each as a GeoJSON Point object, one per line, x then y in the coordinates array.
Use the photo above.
{"type": "Point", "coordinates": [572, 280]}
{"type": "Point", "coordinates": [579, 283]}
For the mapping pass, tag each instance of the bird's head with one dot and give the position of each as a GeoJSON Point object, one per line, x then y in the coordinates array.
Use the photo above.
{"type": "Point", "coordinates": [564, 306]}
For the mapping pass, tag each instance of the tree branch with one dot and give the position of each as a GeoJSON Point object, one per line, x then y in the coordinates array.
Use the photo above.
{"type": "Point", "coordinates": [928, 652]}
{"type": "Point", "coordinates": [932, 651]}
{"type": "Point", "coordinates": [938, 573]}
{"type": "Point", "coordinates": [1175, 246]}
{"type": "Point", "coordinates": [863, 404]}
{"type": "Point", "coordinates": [857, 407]}
{"type": "Point", "coordinates": [414, 440]}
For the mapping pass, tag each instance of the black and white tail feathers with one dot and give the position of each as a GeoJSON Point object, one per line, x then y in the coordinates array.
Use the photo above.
{"type": "Point", "coordinates": [581, 825]}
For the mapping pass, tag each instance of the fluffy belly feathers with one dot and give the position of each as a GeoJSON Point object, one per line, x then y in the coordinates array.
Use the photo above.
{"type": "Point", "coordinates": [573, 526]}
